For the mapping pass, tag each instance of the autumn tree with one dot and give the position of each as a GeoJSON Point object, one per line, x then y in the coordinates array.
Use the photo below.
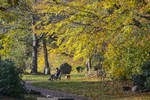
{"type": "Point", "coordinates": [118, 30]}
{"type": "Point", "coordinates": [8, 16]}
{"type": "Point", "coordinates": [111, 27]}
{"type": "Point", "coordinates": [22, 22]}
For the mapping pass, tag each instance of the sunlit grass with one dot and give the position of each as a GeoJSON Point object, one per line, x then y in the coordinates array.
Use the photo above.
{"type": "Point", "coordinates": [94, 90]}
{"type": "Point", "coordinates": [35, 77]}
{"type": "Point", "coordinates": [80, 84]}
{"type": "Point", "coordinates": [74, 76]}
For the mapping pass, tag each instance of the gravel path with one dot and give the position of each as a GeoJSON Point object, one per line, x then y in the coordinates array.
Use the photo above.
{"type": "Point", "coordinates": [53, 94]}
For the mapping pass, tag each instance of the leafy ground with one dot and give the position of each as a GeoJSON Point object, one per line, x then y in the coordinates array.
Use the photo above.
{"type": "Point", "coordinates": [81, 85]}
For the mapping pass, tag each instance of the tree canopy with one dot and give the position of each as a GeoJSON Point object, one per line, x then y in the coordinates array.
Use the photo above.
{"type": "Point", "coordinates": [117, 29]}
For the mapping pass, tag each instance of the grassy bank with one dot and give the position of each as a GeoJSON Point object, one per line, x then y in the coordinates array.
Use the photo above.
{"type": "Point", "coordinates": [81, 85]}
{"type": "Point", "coordinates": [94, 90]}
{"type": "Point", "coordinates": [74, 76]}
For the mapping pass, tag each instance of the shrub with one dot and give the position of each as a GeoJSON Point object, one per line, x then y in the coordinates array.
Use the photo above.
{"type": "Point", "coordinates": [79, 69]}
{"type": "Point", "coordinates": [11, 83]}
{"type": "Point", "coordinates": [147, 83]}
{"type": "Point", "coordinates": [145, 68]}
{"type": "Point", "coordinates": [98, 67]}
{"type": "Point", "coordinates": [65, 68]}
{"type": "Point", "coordinates": [139, 80]}
{"type": "Point", "coordinates": [143, 80]}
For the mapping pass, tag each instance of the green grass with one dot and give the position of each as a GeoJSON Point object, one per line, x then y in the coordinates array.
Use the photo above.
{"type": "Point", "coordinates": [79, 76]}
{"type": "Point", "coordinates": [93, 88]}
{"type": "Point", "coordinates": [35, 77]}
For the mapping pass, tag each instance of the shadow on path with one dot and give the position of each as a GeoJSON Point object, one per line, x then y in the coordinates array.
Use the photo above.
{"type": "Point", "coordinates": [53, 94]}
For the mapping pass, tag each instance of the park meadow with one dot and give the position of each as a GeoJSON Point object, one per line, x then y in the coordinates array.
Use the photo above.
{"type": "Point", "coordinates": [75, 49]}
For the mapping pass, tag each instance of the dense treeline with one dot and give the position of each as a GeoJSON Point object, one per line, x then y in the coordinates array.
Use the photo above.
{"type": "Point", "coordinates": [115, 32]}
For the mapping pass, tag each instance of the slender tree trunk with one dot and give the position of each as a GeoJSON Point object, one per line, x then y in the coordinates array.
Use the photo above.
{"type": "Point", "coordinates": [88, 65]}
{"type": "Point", "coordinates": [34, 54]}
{"type": "Point", "coordinates": [47, 67]}
{"type": "Point", "coordinates": [34, 46]}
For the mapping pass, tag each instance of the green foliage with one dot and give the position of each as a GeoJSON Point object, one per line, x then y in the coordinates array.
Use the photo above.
{"type": "Point", "coordinates": [17, 48]}
{"type": "Point", "coordinates": [147, 83]}
{"type": "Point", "coordinates": [118, 30]}
{"type": "Point", "coordinates": [10, 80]}
{"type": "Point", "coordinates": [98, 67]}
{"type": "Point", "coordinates": [139, 81]}
{"type": "Point", "coordinates": [79, 69]}
{"type": "Point", "coordinates": [97, 60]}
{"type": "Point", "coordinates": [142, 80]}
{"type": "Point", "coordinates": [145, 68]}
{"type": "Point", "coordinates": [16, 40]}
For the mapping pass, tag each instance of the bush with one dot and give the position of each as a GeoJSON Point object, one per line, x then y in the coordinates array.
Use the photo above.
{"type": "Point", "coordinates": [139, 81]}
{"type": "Point", "coordinates": [143, 80]}
{"type": "Point", "coordinates": [11, 83]}
{"type": "Point", "coordinates": [98, 67]}
{"type": "Point", "coordinates": [147, 83]}
{"type": "Point", "coordinates": [65, 68]}
{"type": "Point", "coordinates": [145, 68]}
{"type": "Point", "coordinates": [79, 69]}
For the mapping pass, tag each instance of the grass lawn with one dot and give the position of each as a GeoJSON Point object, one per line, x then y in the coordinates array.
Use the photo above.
{"type": "Point", "coordinates": [35, 77]}
{"type": "Point", "coordinates": [80, 76]}
{"type": "Point", "coordinates": [93, 88]}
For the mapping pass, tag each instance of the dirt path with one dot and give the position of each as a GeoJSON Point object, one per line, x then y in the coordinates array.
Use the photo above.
{"type": "Point", "coordinates": [53, 94]}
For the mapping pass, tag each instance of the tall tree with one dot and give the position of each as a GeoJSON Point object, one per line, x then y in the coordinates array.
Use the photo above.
{"type": "Point", "coordinates": [35, 17]}
{"type": "Point", "coordinates": [106, 25]}
{"type": "Point", "coordinates": [117, 29]}
{"type": "Point", "coordinates": [27, 14]}
{"type": "Point", "coordinates": [46, 63]}
{"type": "Point", "coordinates": [34, 54]}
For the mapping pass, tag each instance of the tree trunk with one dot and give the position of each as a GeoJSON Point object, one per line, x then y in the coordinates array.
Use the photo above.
{"type": "Point", "coordinates": [35, 44]}
{"type": "Point", "coordinates": [88, 65]}
{"type": "Point", "coordinates": [34, 54]}
{"type": "Point", "coordinates": [46, 68]}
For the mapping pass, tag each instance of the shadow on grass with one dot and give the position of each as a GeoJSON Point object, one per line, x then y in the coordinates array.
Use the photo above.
{"type": "Point", "coordinates": [107, 90]}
